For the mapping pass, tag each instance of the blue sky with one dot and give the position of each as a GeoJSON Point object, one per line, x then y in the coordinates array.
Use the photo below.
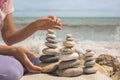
{"type": "Point", "coordinates": [67, 8]}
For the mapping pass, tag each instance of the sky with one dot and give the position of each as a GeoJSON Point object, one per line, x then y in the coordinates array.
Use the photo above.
{"type": "Point", "coordinates": [67, 8]}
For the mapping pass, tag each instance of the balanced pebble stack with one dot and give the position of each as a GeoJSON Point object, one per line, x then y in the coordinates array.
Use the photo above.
{"type": "Point", "coordinates": [68, 67]}
{"type": "Point", "coordinates": [50, 53]}
{"type": "Point", "coordinates": [89, 63]}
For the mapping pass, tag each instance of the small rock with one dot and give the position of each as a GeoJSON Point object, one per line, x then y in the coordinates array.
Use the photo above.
{"type": "Point", "coordinates": [49, 58]}
{"type": "Point", "coordinates": [90, 54]}
{"type": "Point", "coordinates": [67, 50]}
{"type": "Point", "coordinates": [49, 67]}
{"type": "Point", "coordinates": [90, 63]}
{"type": "Point", "coordinates": [51, 45]}
{"type": "Point", "coordinates": [49, 51]}
{"type": "Point", "coordinates": [89, 59]}
{"type": "Point", "coordinates": [68, 64]}
{"type": "Point", "coordinates": [50, 31]}
{"type": "Point", "coordinates": [70, 72]}
{"type": "Point", "coordinates": [69, 35]}
{"type": "Point", "coordinates": [50, 40]}
{"type": "Point", "coordinates": [90, 70]}
{"type": "Point", "coordinates": [53, 36]}
{"type": "Point", "coordinates": [69, 44]}
{"type": "Point", "coordinates": [69, 39]}
{"type": "Point", "coordinates": [68, 57]}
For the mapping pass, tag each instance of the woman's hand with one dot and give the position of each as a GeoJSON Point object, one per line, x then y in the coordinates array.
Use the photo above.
{"type": "Point", "coordinates": [49, 22]}
{"type": "Point", "coordinates": [21, 54]}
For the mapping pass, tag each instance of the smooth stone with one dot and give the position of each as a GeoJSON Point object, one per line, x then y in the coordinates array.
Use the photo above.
{"type": "Point", "coordinates": [51, 45]}
{"type": "Point", "coordinates": [53, 36]}
{"type": "Point", "coordinates": [89, 59]}
{"type": "Point", "coordinates": [69, 35]}
{"type": "Point", "coordinates": [49, 58]}
{"type": "Point", "coordinates": [50, 40]}
{"type": "Point", "coordinates": [90, 63]}
{"type": "Point", "coordinates": [69, 39]}
{"type": "Point", "coordinates": [88, 50]}
{"type": "Point", "coordinates": [90, 70]}
{"type": "Point", "coordinates": [49, 51]}
{"type": "Point", "coordinates": [70, 72]}
{"type": "Point", "coordinates": [69, 44]}
{"type": "Point", "coordinates": [68, 64]}
{"type": "Point", "coordinates": [67, 50]}
{"type": "Point", "coordinates": [49, 67]}
{"type": "Point", "coordinates": [50, 31]}
{"type": "Point", "coordinates": [90, 54]}
{"type": "Point", "coordinates": [68, 57]}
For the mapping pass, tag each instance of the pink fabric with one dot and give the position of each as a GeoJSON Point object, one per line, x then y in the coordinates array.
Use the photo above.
{"type": "Point", "coordinates": [6, 7]}
{"type": "Point", "coordinates": [1, 2]}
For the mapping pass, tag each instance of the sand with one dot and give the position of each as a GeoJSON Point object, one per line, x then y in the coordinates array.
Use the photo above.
{"type": "Point", "coordinates": [97, 76]}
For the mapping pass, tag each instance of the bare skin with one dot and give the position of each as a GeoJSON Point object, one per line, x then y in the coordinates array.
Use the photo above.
{"type": "Point", "coordinates": [11, 36]}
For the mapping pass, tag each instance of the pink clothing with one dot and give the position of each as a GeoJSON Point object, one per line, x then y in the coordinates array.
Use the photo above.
{"type": "Point", "coordinates": [6, 7]}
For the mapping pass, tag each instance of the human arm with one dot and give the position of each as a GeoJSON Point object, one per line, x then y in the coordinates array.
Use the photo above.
{"type": "Point", "coordinates": [20, 54]}
{"type": "Point", "coordinates": [11, 35]}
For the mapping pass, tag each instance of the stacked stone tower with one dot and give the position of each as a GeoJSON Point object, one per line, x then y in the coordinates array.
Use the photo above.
{"type": "Point", "coordinates": [50, 53]}
{"type": "Point", "coordinates": [89, 63]}
{"type": "Point", "coordinates": [68, 66]}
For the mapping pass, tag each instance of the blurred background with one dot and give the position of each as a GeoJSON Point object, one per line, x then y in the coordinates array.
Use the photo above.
{"type": "Point", "coordinates": [67, 8]}
{"type": "Point", "coordinates": [97, 20]}
{"type": "Point", "coordinates": [93, 23]}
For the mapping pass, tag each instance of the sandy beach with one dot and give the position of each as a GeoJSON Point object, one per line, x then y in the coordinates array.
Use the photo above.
{"type": "Point", "coordinates": [42, 76]}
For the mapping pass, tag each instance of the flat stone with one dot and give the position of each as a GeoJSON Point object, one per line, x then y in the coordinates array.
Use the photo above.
{"type": "Point", "coordinates": [69, 44]}
{"type": "Point", "coordinates": [69, 39]}
{"type": "Point", "coordinates": [49, 67]}
{"type": "Point", "coordinates": [49, 58]}
{"type": "Point", "coordinates": [51, 45]}
{"type": "Point", "coordinates": [50, 40]}
{"type": "Point", "coordinates": [90, 63]}
{"type": "Point", "coordinates": [70, 72]}
{"type": "Point", "coordinates": [89, 59]}
{"type": "Point", "coordinates": [90, 54]}
{"type": "Point", "coordinates": [90, 70]}
{"type": "Point", "coordinates": [53, 36]}
{"type": "Point", "coordinates": [50, 31]}
{"type": "Point", "coordinates": [68, 57]}
{"type": "Point", "coordinates": [49, 51]}
{"type": "Point", "coordinates": [69, 64]}
{"type": "Point", "coordinates": [69, 35]}
{"type": "Point", "coordinates": [88, 50]}
{"type": "Point", "coordinates": [67, 50]}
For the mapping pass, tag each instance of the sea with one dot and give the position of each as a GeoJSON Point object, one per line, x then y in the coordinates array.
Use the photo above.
{"type": "Point", "coordinates": [101, 34]}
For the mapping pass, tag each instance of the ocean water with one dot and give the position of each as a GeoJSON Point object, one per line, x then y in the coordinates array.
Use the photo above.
{"type": "Point", "coordinates": [96, 29]}
{"type": "Point", "coordinates": [99, 34]}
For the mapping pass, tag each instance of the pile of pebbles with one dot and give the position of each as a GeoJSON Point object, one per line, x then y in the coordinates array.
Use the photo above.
{"type": "Point", "coordinates": [68, 67]}
{"type": "Point", "coordinates": [89, 65]}
{"type": "Point", "coordinates": [50, 53]}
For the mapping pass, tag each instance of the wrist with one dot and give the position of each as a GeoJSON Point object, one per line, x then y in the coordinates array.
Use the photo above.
{"type": "Point", "coordinates": [7, 50]}
{"type": "Point", "coordinates": [33, 26]}
{"type": "Point", "coordinates": [11, 50]}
